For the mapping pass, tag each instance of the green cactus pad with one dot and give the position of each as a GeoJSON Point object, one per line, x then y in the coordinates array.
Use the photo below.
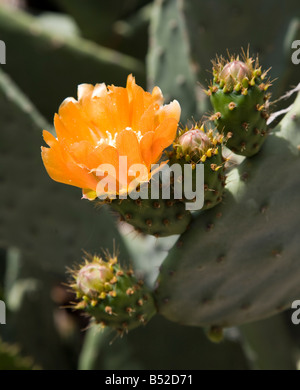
{"type": "Point", "coordinates": [113, 296]}
{"type": "Point", "coordinates": [239, 98]}
{"type": "Point", "coordinates": [169, 63]}
{"type": "Point", "coordinates": [66, 61]}
{"type": "Point", "coordinates": [158, 217]}
{"type": "Point", "coordinates": [239, 262]}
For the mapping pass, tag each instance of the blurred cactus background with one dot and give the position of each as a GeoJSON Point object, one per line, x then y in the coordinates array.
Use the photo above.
{"type": "Point", "coordinates": [51, 47]}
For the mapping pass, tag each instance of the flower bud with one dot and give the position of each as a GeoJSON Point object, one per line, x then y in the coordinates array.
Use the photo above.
{"type": "Point", "coordinates": [91, 279]}
{"type": "Point", "coordinates": [194, 142]}
{"type": "Point", "coordinates": [111, 295]}
{"type": "Point", "coordinates": [234, 72]}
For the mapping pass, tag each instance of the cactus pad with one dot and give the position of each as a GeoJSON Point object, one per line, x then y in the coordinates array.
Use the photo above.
{"type": "Point", "coordinates": [158, 217]}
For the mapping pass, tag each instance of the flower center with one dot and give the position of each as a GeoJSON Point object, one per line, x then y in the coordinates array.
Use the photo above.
{"type": "Point", "coordinates": [112, 139]}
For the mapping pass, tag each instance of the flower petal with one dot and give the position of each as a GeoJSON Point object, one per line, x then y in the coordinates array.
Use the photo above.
{"type": "Point", "coordinates": [73, 120]}
{"type": "Point", "coordinates": [101, 112]}
{"type": "Point", "coordinates": [163, 137]}
{"type": "Point", "coordinates": [108, 155]}
{"type": "Point", "coordinates": [139, 101]}
{"type": "Point", "coordinates": [148, 121]}
{"type": "Point", "coordinates": [120, 105]}
{"type": "Point", "coordinates": [49, 138]}
{"type": "Point", "coordinates": [62, 132]}
{"type": "Point", "coordinates": [146, 147]}
{"type": "Point", "coordinates": [128, 145]}
{"type": "Point", "coordinates": [61, 167]}
{"type": "Point", "coordinates": [84, 91]}
{"type": "Point", "coordinates": [157, 95]}
{"type": "Point", "coordinates": [171, 110]}
{"type": "Point", "coordinates": [84, 154]}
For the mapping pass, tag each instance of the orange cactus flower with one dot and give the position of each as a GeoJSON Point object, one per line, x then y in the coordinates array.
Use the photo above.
{"type": "Point", "coordinates": [105, 124]}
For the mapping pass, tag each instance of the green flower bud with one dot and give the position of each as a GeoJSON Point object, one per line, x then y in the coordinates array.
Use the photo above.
{"type": "Point", "coordinates": [111, 295]}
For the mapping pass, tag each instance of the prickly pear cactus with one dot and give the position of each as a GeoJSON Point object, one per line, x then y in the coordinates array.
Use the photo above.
{"type": "Point", "coordinates": [224, 273]}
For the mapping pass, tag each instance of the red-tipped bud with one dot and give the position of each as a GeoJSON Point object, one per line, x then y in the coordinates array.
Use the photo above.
{"type": "Point", "coordinates": [194, 142]}
{"type": "Point", "coordinates": [234, 72]}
